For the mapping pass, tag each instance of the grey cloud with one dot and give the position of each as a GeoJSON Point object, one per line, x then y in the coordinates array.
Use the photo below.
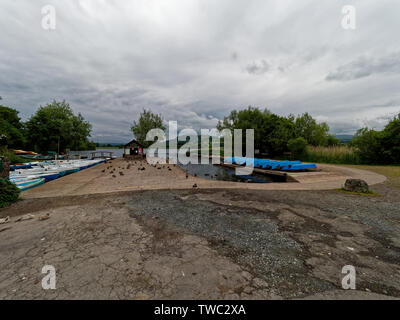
{"type": "Point", "coordinates": [258, 68]}
{"type": "Point", "coordinates": [191, 60]}
{"type": "Point", "coordinates": [365, 67]}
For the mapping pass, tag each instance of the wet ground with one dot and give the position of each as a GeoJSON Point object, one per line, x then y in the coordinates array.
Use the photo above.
{"type": "Point", "coordinates": [199, 243]}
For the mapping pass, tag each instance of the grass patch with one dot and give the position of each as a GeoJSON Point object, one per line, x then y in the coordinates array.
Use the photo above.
{"type": "Point", "coordinates": [334, 154]}
{"type": "Point", "coordinates": [370, 193]}
{"type": "Point", "coordinates": [392, 173]}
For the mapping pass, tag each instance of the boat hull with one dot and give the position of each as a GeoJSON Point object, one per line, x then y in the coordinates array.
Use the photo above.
{"type": "Point", "coordinates": [29, 184]}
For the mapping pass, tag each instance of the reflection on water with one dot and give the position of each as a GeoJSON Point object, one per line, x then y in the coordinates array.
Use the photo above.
{"type": "Point", "coordinates": [216, 172]}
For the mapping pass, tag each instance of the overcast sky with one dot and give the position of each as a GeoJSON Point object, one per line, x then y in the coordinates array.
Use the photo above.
{"type": "Point", "coordinates": [194, 61]}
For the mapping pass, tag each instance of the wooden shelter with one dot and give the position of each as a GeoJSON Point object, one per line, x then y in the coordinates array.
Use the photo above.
{"type": "Point", "coordinates": [133, 149]}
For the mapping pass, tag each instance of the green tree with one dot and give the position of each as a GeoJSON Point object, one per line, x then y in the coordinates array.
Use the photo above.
{"type": "Point", "coordinates": [55, 127]}
{"type": "Point", "coordinates": [315, 133]}
{"type": "Point", "coordinates": [146, 122]}
{"type": "Point", "coordinates": [391, 141]}
{"type": "Point", "coordinates": [11, 128]}
{"type": "Point", "coordinates": [380, 147]}
{"type": "Point", "coordinates": [331, 140]}
{"type": "Point", "coordinates": [298, 147]}
{"type": "Point", "coordinates": [368, 144]}
{"type": "Point", "coordinates": [271, 132]}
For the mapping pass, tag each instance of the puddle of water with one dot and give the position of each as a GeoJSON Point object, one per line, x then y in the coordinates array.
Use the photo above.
{"type": "Point", "coordinates": [216, 172]}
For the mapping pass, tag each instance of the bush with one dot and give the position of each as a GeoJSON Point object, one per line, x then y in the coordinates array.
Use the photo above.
{"type": "Point", "coordinates": [9, 192]}
{"type": "Point", "coordinates": [334, 154]}
{"type": "Point", "coordinates": [13, 158]}
{"type": "Point", "coordinates": [379, 147]}
{"type": "Point", "coordinates": [297, 147]}
{"type": "Point", "coordinates": [369, 146]}
{"type": "Point", "coordinates": [390, 141]}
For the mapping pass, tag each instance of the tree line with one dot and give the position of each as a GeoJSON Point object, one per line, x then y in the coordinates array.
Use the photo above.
{"type": "Point", "coordinates": [275, 135]}
{"type": "Point", "coordinates": [379, 147]}
{"type": "Point", "coordinates": [53, 127]}
{"type": "Point", "coordinates": [278, 136]}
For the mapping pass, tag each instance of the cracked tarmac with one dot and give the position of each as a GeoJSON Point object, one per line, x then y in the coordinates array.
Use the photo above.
{"type": "Point", "coordinates": [202, 244]}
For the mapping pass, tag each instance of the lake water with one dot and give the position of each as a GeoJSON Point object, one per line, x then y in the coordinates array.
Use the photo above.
{"type": "Point", "coordinates": [87, 153]}
{"type": "Point", "coordinates": [216, 172]}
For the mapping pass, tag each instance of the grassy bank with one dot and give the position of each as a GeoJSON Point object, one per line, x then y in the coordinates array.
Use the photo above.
{"type": "Point", "coordinates": [334, 154]}
{"type": "Point", "coordinates": [392, 173]}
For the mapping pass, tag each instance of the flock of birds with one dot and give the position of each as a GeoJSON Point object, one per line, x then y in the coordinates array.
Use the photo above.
{"type": "Point", "coordinates": [141, 166]}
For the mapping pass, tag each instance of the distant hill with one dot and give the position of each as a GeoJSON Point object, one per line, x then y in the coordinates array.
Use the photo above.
{"type": "Point", "coordinates": [344, 138]}
{"type": "Point", "coordinates": [109, 144]}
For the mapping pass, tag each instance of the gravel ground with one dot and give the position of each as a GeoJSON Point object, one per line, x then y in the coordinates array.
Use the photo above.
{"type": "Point", "coordinates": [199, 243]}
{"type": "Point", "coordinates": [278, 235]}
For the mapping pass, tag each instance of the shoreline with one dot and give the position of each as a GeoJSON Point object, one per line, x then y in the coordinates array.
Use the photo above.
{"type": "Point", "coordinates": [114, 176]}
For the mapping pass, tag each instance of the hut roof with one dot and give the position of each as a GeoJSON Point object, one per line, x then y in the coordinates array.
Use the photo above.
{"type": "Point", "coordinates": [133, 143]}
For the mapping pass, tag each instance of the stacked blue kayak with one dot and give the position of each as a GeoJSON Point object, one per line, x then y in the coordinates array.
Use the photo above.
{"type": "Point", "coordinates": [281, 165]}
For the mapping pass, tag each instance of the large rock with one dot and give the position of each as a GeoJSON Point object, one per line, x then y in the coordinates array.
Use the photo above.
{"type": "Point", "coordinates": [356, 185]}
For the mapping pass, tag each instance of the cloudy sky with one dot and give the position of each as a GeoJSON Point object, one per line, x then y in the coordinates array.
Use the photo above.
{"type": "Point", "coordinates": [194, 61]}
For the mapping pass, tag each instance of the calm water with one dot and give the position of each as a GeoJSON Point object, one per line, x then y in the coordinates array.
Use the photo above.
{"type": "Point", "coordinates": [216, 172]}
{"type": "Point", "coordinates": [116, 152]}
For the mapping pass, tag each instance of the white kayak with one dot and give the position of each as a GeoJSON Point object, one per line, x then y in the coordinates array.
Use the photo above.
{"type": "Point", "coordinates": [25, 185]}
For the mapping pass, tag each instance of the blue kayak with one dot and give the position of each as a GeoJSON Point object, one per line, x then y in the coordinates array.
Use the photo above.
{"type": "Point", "coordinates": [50, 177]}
{"type": "Point", "coordinates": [283, 165]}
{"type": "Point", "coordinates": [22, 166]}
{"type": "Point", "coordinates": [25, 185]}
{"type": "Point", "coordinates": [301, 166]}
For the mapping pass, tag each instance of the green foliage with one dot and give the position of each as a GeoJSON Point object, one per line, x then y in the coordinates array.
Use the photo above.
{"type": "Point", "coordinates": [12, 157]}
{"type": "Point", "coordinates": [369, 193]}
{"type": "Point", "coordinates": [331, 140]}
{"type": "Point", "coordinates": [11, 128]}
{"type": "Point", "coordinates": [332, 154]}
{"type": "Point", "coordinates": [390, 141]}
{"type": "Point", "coordinates": [297, 147]}
{"type": "Point", "coordinates": [279, 130]}
{"type": "Point", "coordinates": [368, 144]}
{"type": "Point", "coordinates": [316, 134]}
{"type": "Point", "coordinates": [56, 126]}
{"type": "Point", "coordinates": [379, 147]}
{"type": "Point", "coordinates": [9, 193]}
{"type": "Point", "coordinates": [146, 122]}
{"type": "Point", "coordinates": [91, 145]}
{"type": "Point", "coordinates": [272, 132]}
